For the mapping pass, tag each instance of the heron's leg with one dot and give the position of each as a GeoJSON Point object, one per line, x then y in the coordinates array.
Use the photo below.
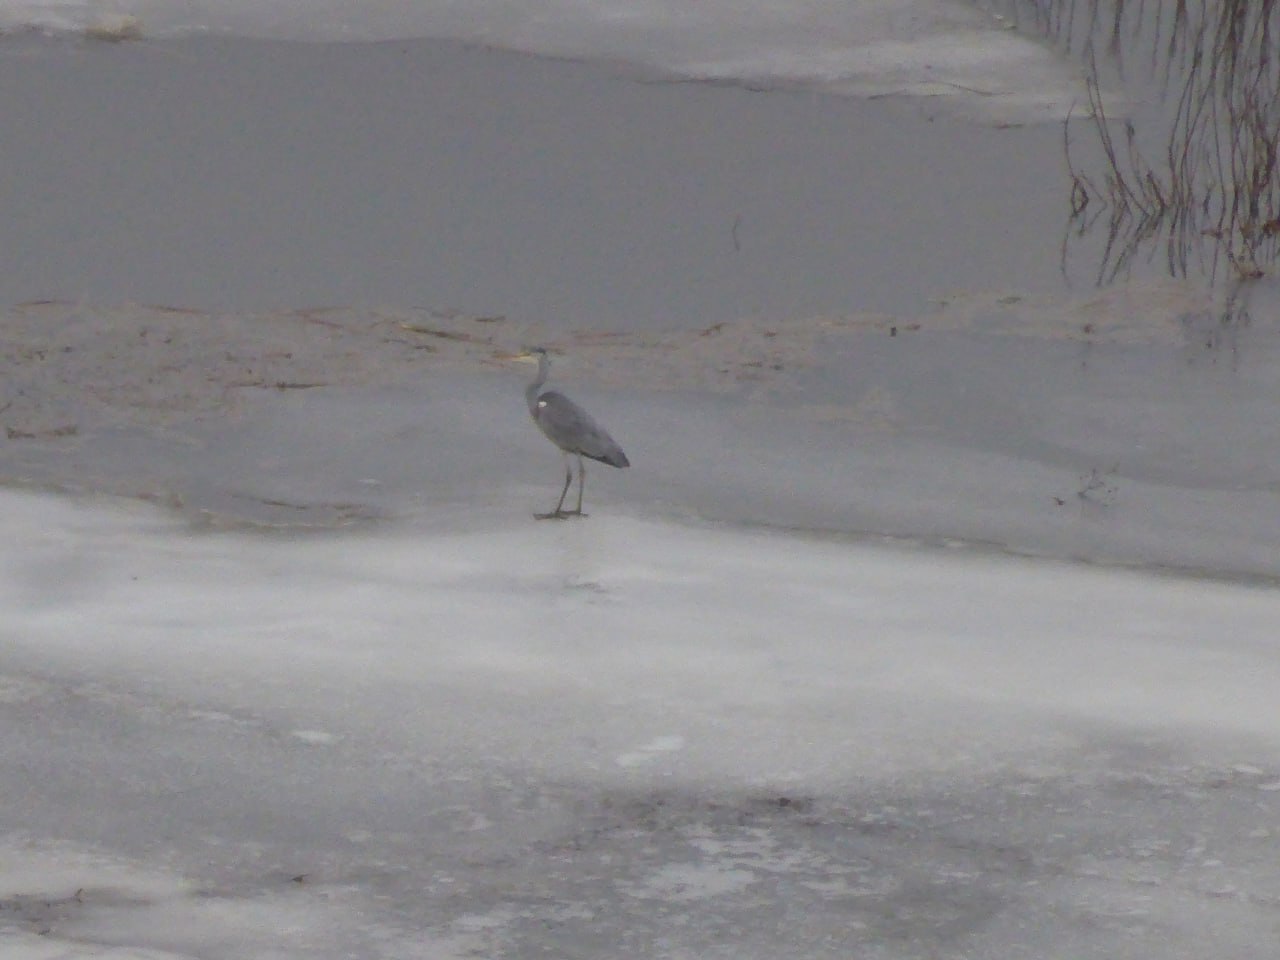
{"type": "Point", "coordinates": [582, 482]}
{"type": "Point", "coordinates": [558, 513]}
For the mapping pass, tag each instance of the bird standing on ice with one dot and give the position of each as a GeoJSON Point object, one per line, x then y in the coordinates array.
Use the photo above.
{"type": "Point", "coordinates": [571, 429]}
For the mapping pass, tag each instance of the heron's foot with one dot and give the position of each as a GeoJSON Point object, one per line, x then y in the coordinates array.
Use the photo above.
{"type": "Point", "coordinates": [553, 515]}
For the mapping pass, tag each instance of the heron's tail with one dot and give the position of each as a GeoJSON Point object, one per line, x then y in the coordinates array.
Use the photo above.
{"type": "Point", "coordinates": [613, 456]}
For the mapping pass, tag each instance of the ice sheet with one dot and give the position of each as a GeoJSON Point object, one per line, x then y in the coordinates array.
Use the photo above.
{"type": "Point", "coordinates": [616, 736]}
{"type": "Point", "coordinates": [929, 48]}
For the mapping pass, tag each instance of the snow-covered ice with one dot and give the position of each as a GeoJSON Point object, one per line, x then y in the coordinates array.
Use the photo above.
{"type": "Point", "coordinates": [620, 737]}
{"type": "Point", "coordinates": [933, 48]}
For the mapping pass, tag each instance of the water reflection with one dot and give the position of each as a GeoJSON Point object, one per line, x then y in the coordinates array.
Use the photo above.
{"type": "Point", "coordinates": [1213, 336]}
{"type": "Point", "coordinates": [1190, 175]}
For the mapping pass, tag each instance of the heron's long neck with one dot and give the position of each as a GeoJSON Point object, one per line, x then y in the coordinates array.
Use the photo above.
{"type": "Point", "coordinates": [532, 390]}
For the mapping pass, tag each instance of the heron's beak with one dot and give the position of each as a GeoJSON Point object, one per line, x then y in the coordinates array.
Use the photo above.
{"type": "Point", "coordinates": [522, 358]}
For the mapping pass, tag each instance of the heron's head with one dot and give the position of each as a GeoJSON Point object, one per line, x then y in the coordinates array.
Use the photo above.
{"type": "Point", "coordinates": [531, 355]}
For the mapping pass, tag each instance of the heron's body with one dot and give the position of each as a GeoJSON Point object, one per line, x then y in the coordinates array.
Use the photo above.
{"type": "Point", "coordinates": [571, 429]}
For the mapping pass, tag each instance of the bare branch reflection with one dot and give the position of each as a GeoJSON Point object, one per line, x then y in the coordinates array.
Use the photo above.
{"type": "Point", "coordinates": [1198, 181]}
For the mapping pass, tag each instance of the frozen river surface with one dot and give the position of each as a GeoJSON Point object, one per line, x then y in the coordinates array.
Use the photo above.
{"type": "Point", "coordinates": [349, 701]}
{"type": "Point", "coordinates": [621, 738]}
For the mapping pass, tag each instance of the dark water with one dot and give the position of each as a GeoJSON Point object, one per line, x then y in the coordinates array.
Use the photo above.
{"type": "Point", "coordinates": [242, 175]}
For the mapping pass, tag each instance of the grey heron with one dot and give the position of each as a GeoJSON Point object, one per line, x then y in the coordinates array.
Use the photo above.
{"type": "Point", "coordinates": [571, 429]}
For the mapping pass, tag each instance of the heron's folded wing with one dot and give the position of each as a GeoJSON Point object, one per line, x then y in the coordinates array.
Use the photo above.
{"type": "Point", "coordinates": [571, 428]}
